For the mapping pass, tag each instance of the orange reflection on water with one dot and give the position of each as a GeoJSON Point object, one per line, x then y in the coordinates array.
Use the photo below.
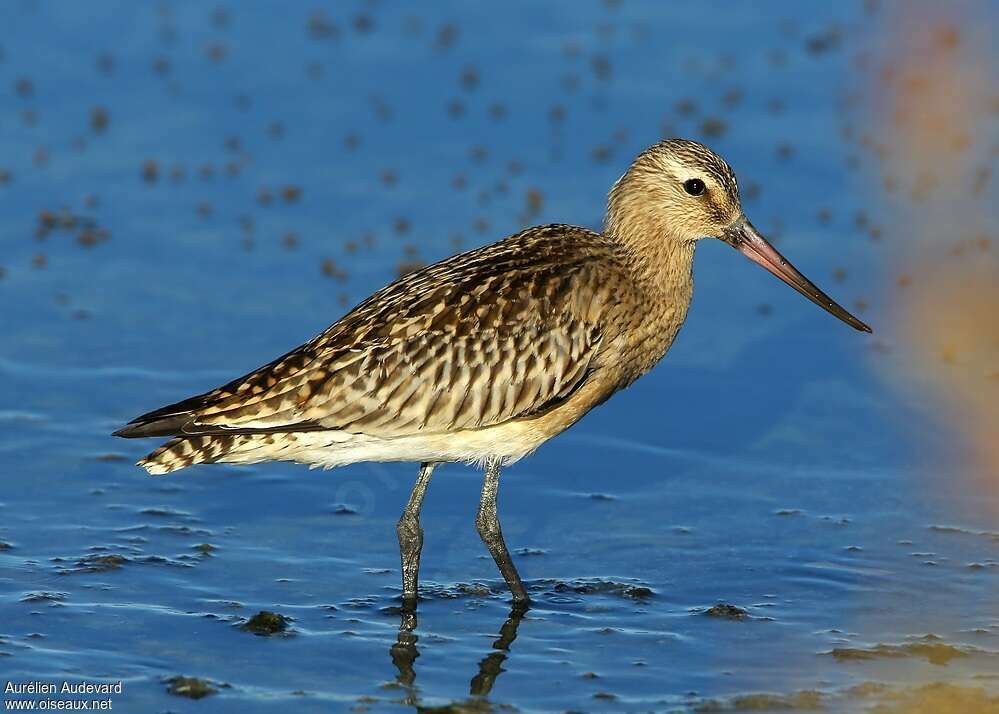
{"type": "Point", "coordinates": [949, 320]}
{"type": "Point", "coordinates": [932, 108]}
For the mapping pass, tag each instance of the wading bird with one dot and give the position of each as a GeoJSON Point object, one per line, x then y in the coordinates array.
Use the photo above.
{"type": "Point", "coordinates": [484, 356]}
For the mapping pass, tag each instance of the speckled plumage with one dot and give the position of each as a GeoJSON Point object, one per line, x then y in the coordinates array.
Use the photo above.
{"type": "Point", "coordinates": [484, 355]}
{"type": "Point", "coordinates": [507, 333]}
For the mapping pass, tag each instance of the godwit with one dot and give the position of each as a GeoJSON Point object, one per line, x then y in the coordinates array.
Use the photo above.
{"type": "Point", "coordinates": [486, 355]}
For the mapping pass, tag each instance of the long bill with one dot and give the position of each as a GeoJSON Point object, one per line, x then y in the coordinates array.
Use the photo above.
{"type": "Point", "coordinates": [742, 236]}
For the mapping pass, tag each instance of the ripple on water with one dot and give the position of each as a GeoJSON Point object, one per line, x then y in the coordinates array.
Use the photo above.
{"type": "Point", "coordinates": [45, 596]}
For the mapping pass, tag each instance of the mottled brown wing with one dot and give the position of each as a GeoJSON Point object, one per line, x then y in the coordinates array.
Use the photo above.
{"type": "Point", "coordinates": [479, 339]}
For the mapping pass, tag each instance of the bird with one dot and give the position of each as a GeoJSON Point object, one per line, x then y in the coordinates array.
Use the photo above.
{"type": "Point", "coordinates": [484, 356]}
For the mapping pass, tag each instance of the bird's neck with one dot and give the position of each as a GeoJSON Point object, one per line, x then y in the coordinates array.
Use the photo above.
{"type": "Point", "coordinates": [661, 261]}
{"type": "Point", "coordinates": [662, 269]}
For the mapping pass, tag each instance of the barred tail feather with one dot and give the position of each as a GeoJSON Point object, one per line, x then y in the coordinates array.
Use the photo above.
{"type": "Point", "coordinates": [186, 451]}
{"type": "Point", "coordinates": [183, 452]}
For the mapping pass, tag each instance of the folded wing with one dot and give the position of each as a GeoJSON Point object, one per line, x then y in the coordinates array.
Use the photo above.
{"type": "Point", "coordinates": [482, 338]}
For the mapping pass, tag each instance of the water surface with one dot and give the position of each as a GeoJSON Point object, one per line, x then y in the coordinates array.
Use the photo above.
{"type": "Point", "coordinates": [191, 191]}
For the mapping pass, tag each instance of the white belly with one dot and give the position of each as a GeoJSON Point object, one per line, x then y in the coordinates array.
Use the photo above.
{"type": "Point", "coordinates": [508, 442]}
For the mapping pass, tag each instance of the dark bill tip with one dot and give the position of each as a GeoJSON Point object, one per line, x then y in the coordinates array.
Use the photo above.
{"type": "Point", "coordinates": [742, 236]}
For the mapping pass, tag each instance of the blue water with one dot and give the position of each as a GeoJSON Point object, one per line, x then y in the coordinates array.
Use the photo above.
{"type": "Point", "coordinates": [766, 463]}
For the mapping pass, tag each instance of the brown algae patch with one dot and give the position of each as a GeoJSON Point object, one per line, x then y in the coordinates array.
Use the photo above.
{"type": "Point", "coordinates": [266, 623]}
{"type": "Point", "coordinates": [807, 700]}
{"type": "Point", "coordinates": [726, 611]}
{"type": "Point", "coordinates": [191, 687]}
{"type": "Point", "coordinates": [930, 647]}
{"type": "Point", "coordinates": [869, 697]}
{"type": "Point", "coordinates": [93, 564]}
{"type": "Point", "coordinates": [599, 586]}
{"type": "Point", "coordinates": [933, 698]}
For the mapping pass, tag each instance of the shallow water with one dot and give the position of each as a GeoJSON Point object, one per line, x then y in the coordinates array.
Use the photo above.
{"type": "Point", "coordinates": [767, 464]}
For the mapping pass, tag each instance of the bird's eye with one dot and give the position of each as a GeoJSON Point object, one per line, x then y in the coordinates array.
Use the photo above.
{"type": "Point", "coordinates": [694, 186]}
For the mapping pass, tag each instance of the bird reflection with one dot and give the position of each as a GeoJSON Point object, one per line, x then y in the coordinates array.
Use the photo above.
{"type": "Point", "coordinates": [404, 653]}
{"type": "Point", "coordinates": [492, 664]}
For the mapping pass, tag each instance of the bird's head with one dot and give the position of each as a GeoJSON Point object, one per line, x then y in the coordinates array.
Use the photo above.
{"type": "Point", "coordinates": [681, 191]}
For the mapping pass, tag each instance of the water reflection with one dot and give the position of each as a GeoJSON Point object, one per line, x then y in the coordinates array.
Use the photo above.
{"type": "Point", "coordinates": [404, 653]}
{"type": "Point", "coordinates": [492, 664]}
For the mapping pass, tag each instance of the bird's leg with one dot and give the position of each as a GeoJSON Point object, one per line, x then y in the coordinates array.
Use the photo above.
{"type": "Point", "coordinates": [488, 525]}
{"type": "Point", "coordinates": [411, 536]}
